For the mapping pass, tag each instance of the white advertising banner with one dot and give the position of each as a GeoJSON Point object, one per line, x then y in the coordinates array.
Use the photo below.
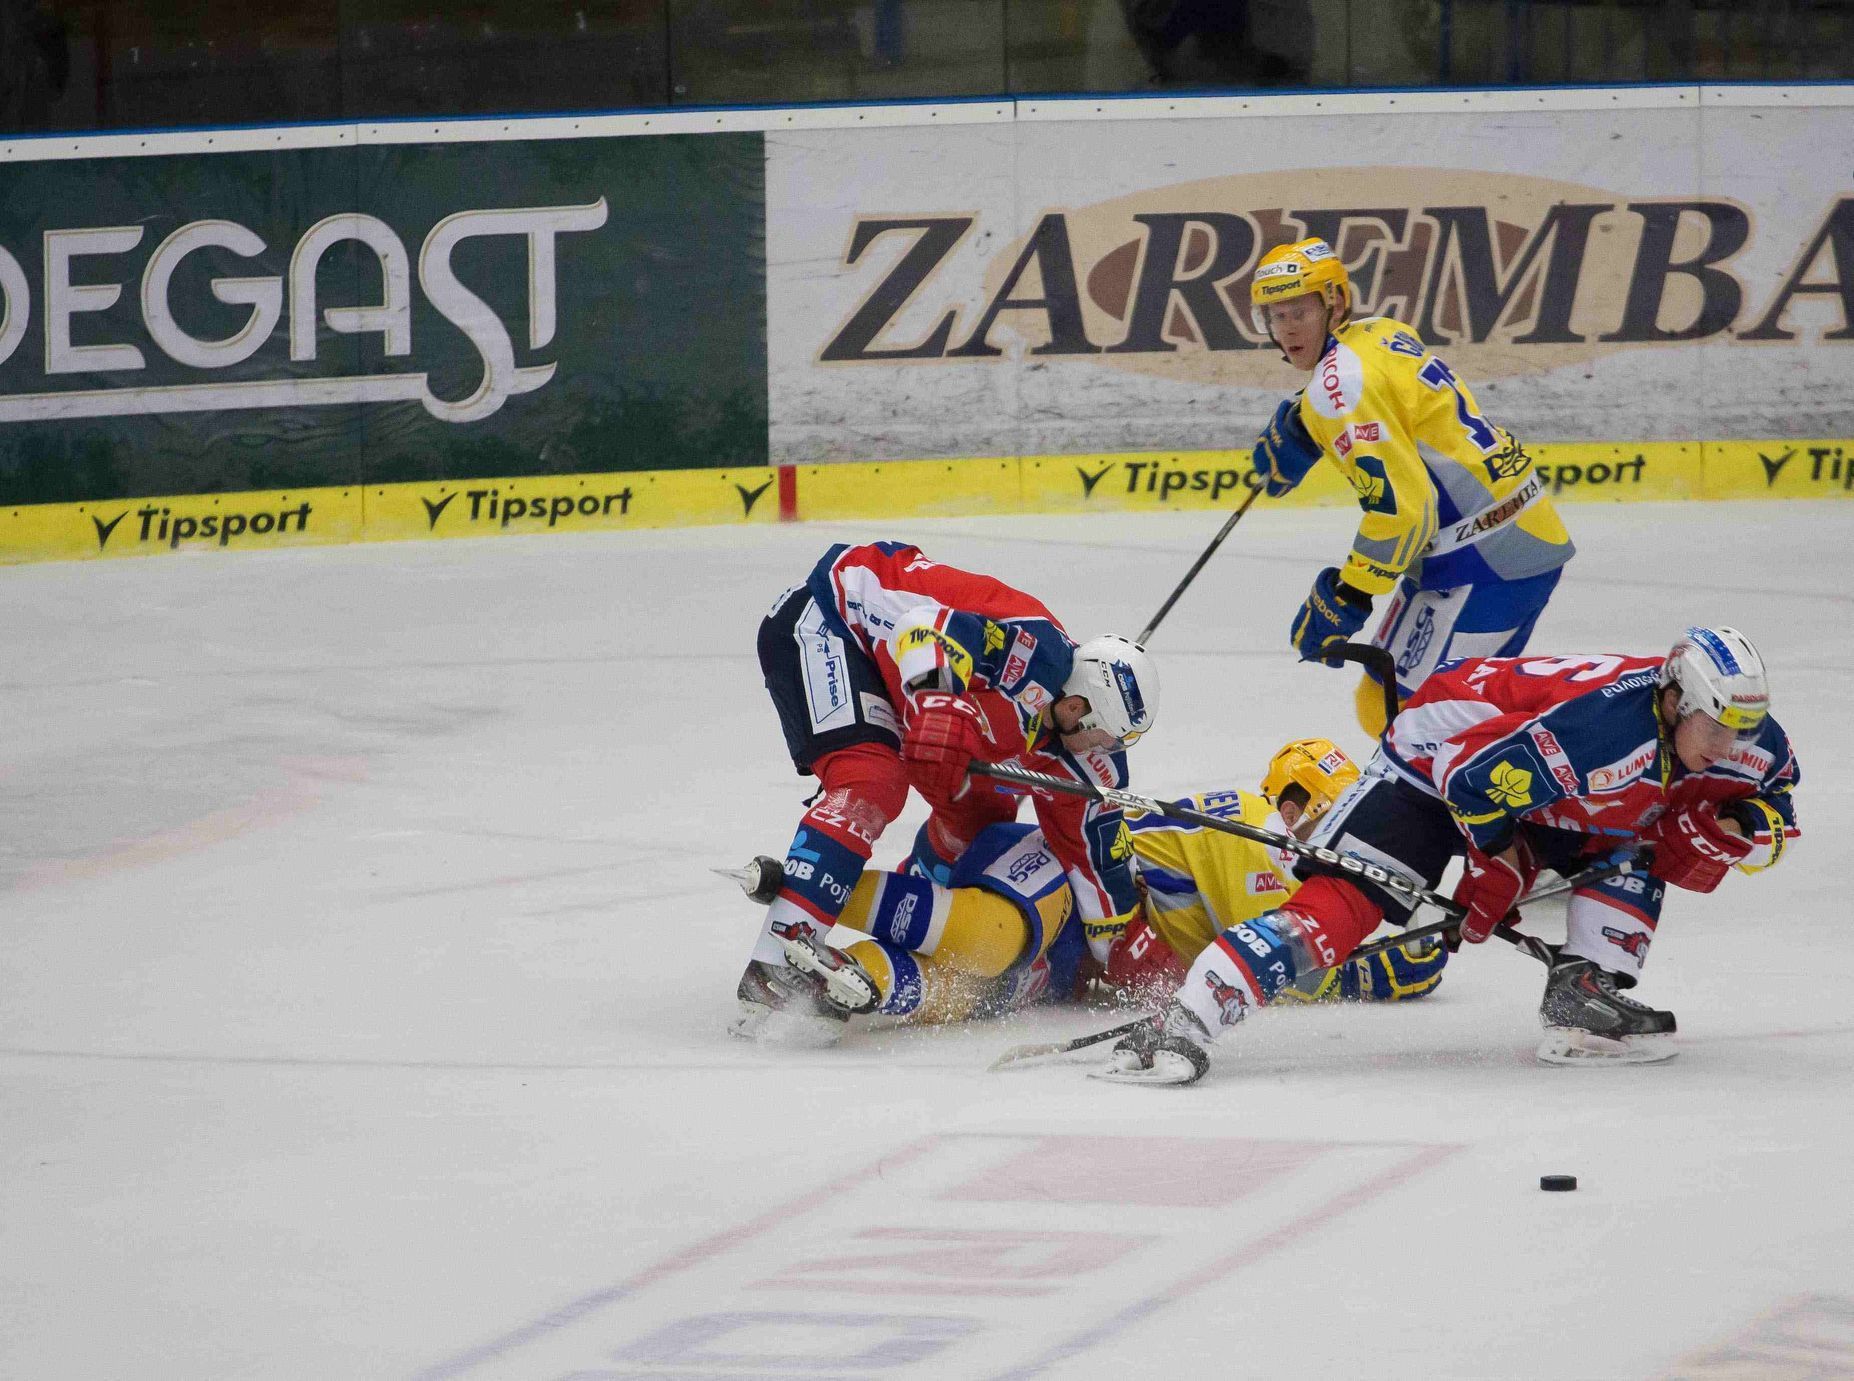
{"type": "Point", "coordinates": [1659, 264]}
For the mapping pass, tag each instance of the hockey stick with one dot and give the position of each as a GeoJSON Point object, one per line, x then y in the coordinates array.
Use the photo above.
{"type": "Point", "coordinates": [1539, 949]}
{"type": "Point", "coordinates": [1542, 950]}
{"type": "Point", "coordinates": [1198, 565]}
{"type": "Point", "coordinates": [1376, 660]}
{"type": "Point", "coordinates": [1147, 805]}
{"type": "Point", "coordinates": [1036, 1051]}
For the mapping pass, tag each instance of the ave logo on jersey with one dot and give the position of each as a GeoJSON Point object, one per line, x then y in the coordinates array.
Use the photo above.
{"type": "Point", "coordinates": [1547, 744]}
{"type": "Point", "coordinates": [1357, 434]}
{"type": "Point", "coordinates": [1017, 665]}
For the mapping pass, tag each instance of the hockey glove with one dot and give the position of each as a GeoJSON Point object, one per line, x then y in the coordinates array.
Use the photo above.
{"type": "Point", "coordinates": [1334, 611]}
{"type": "Point", "coordinates": [1141, 966]}
{"type": "Point", "coordinates": [1490, 886]}
{"type": "Point", "coordinates": [944, 733]}
{"type": "Point", "coordinates": [1693, 850]}
{"type": "Point", "coordinates": [1285, 451]}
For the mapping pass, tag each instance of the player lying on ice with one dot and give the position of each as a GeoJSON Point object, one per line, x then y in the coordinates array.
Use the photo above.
{"type": "Point", "coordinates": [999, 937]}
{"type": "Point", "coordinates": [891, 671]}
{"type": "Point", "coordinates": [1523, 764]}
{"type": "Point", "coordinates": [1455, 518]}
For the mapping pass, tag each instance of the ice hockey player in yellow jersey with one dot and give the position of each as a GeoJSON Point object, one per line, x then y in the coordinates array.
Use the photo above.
{"type": "Point", "coordinates": [1455, 518]}
{"type": "Point", "coordinates": [999, 937]}
{"type": "Point", "coordinates": [1196, 881]}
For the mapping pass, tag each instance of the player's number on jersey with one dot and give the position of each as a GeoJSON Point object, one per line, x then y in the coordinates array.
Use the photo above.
{"type": "Point", "coordinates": [1480, 431]}
{"type": "Point", "coordinates": [1599, 668]}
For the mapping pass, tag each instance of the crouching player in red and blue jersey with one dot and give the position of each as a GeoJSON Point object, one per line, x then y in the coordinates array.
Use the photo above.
{"type": "Point", "coordinates": [891, 671]}
{"type": "Point", "coordinates": [1523, 764]}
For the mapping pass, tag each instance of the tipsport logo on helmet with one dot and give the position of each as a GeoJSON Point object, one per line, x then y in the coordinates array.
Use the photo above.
{"type": "Point", "coordinates": [1160, 281]}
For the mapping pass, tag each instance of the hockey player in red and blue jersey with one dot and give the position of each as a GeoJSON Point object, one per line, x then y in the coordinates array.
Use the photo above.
{"type": "Point", "coordinates": [1523, 764]}
{"type": "Point", "coordinates": [891, 671]}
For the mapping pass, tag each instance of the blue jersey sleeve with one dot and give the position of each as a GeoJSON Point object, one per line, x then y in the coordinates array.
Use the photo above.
{"type": "Point", "coordinates": [1582, 745]}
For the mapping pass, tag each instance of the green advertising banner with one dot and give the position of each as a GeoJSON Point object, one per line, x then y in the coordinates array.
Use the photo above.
{"type": "Point", "coordinates": [379, 313]}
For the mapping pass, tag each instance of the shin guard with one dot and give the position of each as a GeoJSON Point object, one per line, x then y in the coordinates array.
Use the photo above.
{"type": "Point", "coordinates": [864, 788]}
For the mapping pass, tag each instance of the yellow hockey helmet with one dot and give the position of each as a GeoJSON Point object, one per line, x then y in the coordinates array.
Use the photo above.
{"type": "Point", "coordinates": [1306, 266]}
{"type": "Point", "coordinates": [1318, 766]}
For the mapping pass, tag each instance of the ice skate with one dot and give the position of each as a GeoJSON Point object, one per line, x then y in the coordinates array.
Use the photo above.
{"type": "Point", "coordinates": [842, 982]}
{"type": "Point", "coordinates": [782, 1006]}
{"type": "Point", "coordinates": [1167, 1052]}
{"type": "Point", "coordinates": [1587, 1020]}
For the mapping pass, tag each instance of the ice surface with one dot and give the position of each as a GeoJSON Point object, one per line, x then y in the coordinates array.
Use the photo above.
{"type": "Point", "coordinates": [363, 987]}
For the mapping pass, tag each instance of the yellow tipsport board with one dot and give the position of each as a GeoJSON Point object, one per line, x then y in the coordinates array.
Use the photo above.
{"type": "Point", "coordinates": [1161, 480]}
{"type": "Point", "coordinates": [909, 488]}
{"type": "Point", "coordinates": [570, 503]}
{"type": "Point", "coordinates": [1779, 470]}
{"type": "Point", "coordinates": [1584, 472]}
{"type": "Point", "coordinates": [193, 522]}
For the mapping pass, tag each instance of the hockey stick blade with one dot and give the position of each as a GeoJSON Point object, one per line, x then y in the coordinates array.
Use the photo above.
{"type": "Point", "coordinates": [1377, 661]}
{"type": "Point", "coordinates": [1017, 1054]}
{"type": "Point", "coordinates": [1148, 805]}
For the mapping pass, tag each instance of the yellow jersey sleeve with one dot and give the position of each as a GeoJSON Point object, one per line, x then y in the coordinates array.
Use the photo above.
{"type": "Point", "coordinates": [1199, 880]}
{"type": "Point", "coordinates": [1448, 497]}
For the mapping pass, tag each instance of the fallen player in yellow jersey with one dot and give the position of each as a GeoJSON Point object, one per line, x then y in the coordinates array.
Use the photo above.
{"type": "Point", "coordinates": [1001, 938]}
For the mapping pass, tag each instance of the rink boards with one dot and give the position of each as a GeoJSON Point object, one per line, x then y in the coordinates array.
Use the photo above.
{"type": "Point", "coordinates": [1156, 481]}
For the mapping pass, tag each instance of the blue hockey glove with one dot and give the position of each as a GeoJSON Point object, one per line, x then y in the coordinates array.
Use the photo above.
{"type": "Point", "coordinates": [1286, 450]}
{"type": "Point", "coordinates": [1334, 611]}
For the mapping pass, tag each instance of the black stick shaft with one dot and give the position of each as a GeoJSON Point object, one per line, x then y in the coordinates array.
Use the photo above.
{"type": "Point", "coordinates": [1348, 864]}
{"type": "Point", "coordinates": [1538, 949]}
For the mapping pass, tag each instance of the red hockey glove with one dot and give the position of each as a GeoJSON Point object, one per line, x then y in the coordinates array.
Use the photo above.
{"type": "Point", "coordinates": [1693, 850]}
{"type": "Point", "coordinates": [1489, 888]}
{"type": "Point", "coordinates": [945, 732]}
{"type": "Point", "coordinates": [1141, 965]}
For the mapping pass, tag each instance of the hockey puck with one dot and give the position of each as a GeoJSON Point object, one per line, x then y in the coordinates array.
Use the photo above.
{"type": "Point", "coordinates": [1558, 1183]}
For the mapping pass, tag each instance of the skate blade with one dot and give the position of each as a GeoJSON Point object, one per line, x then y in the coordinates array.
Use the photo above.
{"type": "Point", "coordinates": [1571, 1046]}
{"type": "Point", "coordinates": [761, 1025]}
{"type": "Point", "coordinates": [1168, 1071]}
{"type": "Point", "coordinates": [749, 879]}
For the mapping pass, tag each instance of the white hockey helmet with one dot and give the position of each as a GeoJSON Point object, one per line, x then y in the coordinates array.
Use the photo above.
{"type": "Point", "coordinates": [1719, 673]}
{"type": "Point", "coordinates": [1117, 677]}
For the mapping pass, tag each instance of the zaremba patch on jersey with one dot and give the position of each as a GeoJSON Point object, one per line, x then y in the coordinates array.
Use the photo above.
{"type": "Point", "coordinates": [1338, 383]}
